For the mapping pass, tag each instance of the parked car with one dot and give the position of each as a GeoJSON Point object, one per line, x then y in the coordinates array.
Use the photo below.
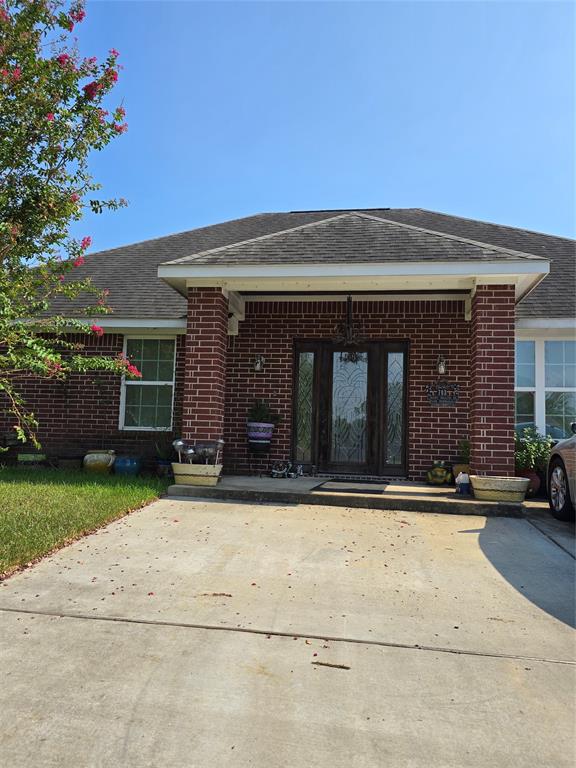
{"type": "Point", "coordinates": [561, 477]}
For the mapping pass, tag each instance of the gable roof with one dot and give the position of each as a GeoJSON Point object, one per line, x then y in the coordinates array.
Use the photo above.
{"type": "Point", "coordinates": [130, 272]}
{"type": "Point", "coordinates": [351, 237]}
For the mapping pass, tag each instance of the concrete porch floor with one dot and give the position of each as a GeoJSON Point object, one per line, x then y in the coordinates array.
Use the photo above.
{"type": "Point", "coordinates": [398, 495]}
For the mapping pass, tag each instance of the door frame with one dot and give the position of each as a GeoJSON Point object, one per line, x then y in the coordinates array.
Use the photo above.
{"type": "Point", "coordinates": [376, 406]}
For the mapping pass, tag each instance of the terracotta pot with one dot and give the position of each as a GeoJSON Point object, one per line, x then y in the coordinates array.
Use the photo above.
{"type": "Point", "coordinates": [196, 474]}
{"type": "Point", "coordinates": [534, 478]}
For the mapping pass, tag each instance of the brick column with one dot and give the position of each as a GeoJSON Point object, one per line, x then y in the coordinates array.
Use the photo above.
{"type": "Point", "coordinates": [205, 367]}
{"type": "Point", "coordinates": [492, 381]}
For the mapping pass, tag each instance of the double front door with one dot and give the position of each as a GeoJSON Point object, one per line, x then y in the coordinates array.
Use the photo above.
{"type": "Point", "coordinates": [350, 407]}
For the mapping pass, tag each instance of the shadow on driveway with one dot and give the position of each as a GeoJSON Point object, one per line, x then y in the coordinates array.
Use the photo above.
{"type": "Point", "coordinates": [539, 569]}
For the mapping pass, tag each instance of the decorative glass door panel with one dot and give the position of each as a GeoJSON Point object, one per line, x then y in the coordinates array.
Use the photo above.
{"type": "Point", "coordinates": [348, 428]}
{"type": "Point", "coordinates": [394, 408]}
{"type": "Point", "coordinates": [350, 407]}
{"type": "Point", "coordinates": [304, 407]}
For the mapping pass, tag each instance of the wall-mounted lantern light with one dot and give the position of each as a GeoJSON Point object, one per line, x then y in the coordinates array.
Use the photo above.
{"type": "Point", "coordinates": [441, 365]}
{"type": "Point", "coordinates": [259, 363]}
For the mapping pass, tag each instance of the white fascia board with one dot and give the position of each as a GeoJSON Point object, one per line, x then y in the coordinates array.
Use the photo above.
{"type": "Point", "coordinates": [546, 323]}
{"type": "Point", "coordinates": [547, 328]}
{"type": "Point", "coordinates": [132, 324]}
{"type": "Point", "coordinates": [190, 272]}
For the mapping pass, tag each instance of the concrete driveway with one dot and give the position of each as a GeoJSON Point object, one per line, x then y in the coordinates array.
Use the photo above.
{"type": "Point", "coordinates": [212, 634]}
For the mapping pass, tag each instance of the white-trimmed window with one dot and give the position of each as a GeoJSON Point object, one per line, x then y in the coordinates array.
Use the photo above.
{"type": "Point", "coordinates": [147, 403]}
{"type": "Point", "coordinates": [546, 385]}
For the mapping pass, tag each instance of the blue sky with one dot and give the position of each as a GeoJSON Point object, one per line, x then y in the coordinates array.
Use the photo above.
{"type": "Point", "coordinates": [236, 108]}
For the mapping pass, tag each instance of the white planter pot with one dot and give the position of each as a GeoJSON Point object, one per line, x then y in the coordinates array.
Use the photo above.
{"type": "Point", "coordinates": [499, 488]}
{"type": "Point", "coordinates": [196, 474]}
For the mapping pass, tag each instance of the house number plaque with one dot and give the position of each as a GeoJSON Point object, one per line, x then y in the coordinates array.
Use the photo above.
{"type": "Point", "coordinates": [443, 393]}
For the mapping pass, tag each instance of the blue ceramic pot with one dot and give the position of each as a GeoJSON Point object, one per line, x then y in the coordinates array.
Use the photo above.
{"type": "Point", "coordinates": [127, 465]}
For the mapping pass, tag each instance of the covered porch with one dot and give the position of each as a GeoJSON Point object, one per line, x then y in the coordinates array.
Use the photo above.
{"type": "Point", "coordinates": [377, 364]}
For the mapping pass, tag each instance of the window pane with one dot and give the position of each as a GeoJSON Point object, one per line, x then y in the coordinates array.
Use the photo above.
{"type": "Point", "coordinates": [524, 410]}
{"type": "Point", "coordinates": [165, 370]}
{"type": "Point", "coordinates": [166, 349]}
{"type": "Point", "coordinates": [554, 375]}
{"type": "Point", "coordinates": [134, 348]}
{"type": "Point", "coordinates": [560, 412]}
{"type": "Point", "coordinates": [554, 352]}
{"type": "Point", "coordinates": [525, 365]}
{"type": "Point", "coordinates": [525, 352]}
{"type": "Point", "coordinates": [560, 363]}
{"type": "Point", "coordinates": [148, 406]}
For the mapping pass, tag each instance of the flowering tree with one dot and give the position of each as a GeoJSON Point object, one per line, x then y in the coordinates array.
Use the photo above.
{"type": "Point", "coordinates": [51, 116]}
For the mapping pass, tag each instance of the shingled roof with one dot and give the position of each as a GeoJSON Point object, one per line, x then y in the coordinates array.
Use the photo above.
{"type": "Point", "coordinates": [130, 272]}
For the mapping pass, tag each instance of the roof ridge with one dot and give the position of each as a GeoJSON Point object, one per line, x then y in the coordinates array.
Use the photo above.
{"type": "Point", "coordinates": [448, 236]}
{"type": "Point", "coordinates": [488, 223]}
{"type": "Point", "coordinates": [199, 254]}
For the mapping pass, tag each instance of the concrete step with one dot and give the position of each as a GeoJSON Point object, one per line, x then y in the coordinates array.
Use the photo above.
{"type": "Point", "coordinates": [387, 501]}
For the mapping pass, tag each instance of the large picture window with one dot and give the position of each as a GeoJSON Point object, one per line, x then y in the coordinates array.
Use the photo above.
{"type": "Point", "coordinates": [546, 386]}
{"type": "Point", "coordinates": [147, 403]}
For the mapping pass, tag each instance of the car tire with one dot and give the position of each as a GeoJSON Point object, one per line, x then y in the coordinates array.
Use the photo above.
{"type": "Point", "coordinates": [559, 499]}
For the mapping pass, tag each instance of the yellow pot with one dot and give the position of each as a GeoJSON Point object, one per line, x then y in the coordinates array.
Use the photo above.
{"type": "Point", "coordinates": [99, 461]}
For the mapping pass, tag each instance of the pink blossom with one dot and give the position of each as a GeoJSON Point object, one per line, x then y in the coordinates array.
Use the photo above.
{"type": "Point", "coordinates": [61, 278]}
{"type": "Point", "coordinates": [114, 53]}
{"type": "Point", "coordinates": [78, 261]}
{"type": "Point", "coordinates": [132, 370]}
{"type": "Point", "coordinates": [121, 111]}
{"type": "Point", "coordinates": [91, 89]}
{"type": "Point", "coordinates": [50, 117]}
{"type": "Point", "coordinates": [120, 128]}
{"type": "Point", "coordinates": [64, 59]}
{"type": "Point", "coordinates": [74, 197]}
{"type": "Point", "coordinates": [78, 14]}
{"type": "Point", "coordinates": [16, 73]}
{"type": "Point", "coordinates": [86, 243]}
{"type": "Point", "coordinates": [111, 75]}
{"type": "Point", "coordinates": [97, 330]}
{"type": "Point", "coordinates": [4, 15]}
{"type": "Point", "coordinates": [102, 114]}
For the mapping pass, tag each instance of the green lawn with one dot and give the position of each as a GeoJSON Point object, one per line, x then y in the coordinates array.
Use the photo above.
{"type": "Point", "coordinates": [41, 510]}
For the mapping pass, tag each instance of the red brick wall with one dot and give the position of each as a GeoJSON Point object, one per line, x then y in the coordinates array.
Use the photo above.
{"type": "Point", "coordinates": [205, 376]}
{"type": "Point", "coordinates": [82, 413]}
{"type": "Point", "coordinates": [492, 380]}
{"type": "Point", "coordinates": [269, 329]}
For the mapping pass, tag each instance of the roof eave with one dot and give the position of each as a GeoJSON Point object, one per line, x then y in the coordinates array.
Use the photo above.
{"type": "Point", "coordinates": [525, 274]}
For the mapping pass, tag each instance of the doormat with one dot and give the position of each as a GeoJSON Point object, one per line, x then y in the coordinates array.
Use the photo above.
{"type": "Point", "coordinates": [349, 486]}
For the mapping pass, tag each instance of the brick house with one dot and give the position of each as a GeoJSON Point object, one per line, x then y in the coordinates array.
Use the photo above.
{"type": "Point", "coordinates": [383, 338]}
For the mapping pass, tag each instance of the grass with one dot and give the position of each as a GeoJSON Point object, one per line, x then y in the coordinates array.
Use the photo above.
{"type": "Point", "coordinates": [42, 510]}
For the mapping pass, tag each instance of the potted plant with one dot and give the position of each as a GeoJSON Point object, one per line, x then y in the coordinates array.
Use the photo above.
{"type": "Point", "coordinates": [463, 462]}
{"type": "Point", "coordinates": [531, 454]}
{"type": "Point", "coordinates": [198, 463]}
{"type": "Point", "coordinates": [260, 426]}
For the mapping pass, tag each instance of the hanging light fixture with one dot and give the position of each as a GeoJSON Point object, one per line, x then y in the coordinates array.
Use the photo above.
{"type": "Point", "coordinates": [347, 333]}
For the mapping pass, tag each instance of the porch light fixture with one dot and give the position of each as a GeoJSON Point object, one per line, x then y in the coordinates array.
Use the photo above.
{"type": "Point", "coordinates": [441, 365]}
{"type": "Point", "coordinates": [347, 333]}
{"type": "Point", "coordinates": [259, 363]}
